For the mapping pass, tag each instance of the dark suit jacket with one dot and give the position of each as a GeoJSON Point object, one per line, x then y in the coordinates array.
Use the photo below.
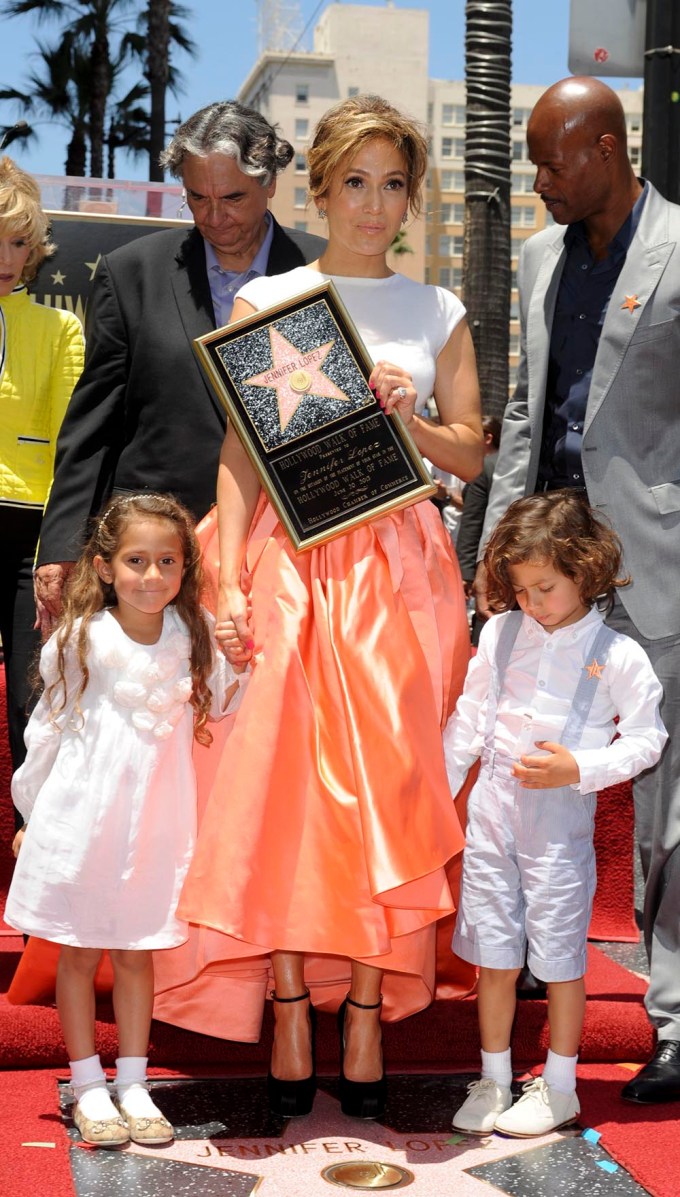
{"type": "Point", "coordinates": [142, 416]}
{"type": "Point", "coordinates": [475, 499]}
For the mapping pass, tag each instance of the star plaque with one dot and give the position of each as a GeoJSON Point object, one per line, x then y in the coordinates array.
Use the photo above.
{"type": "Point", "coordinates": [294, 381]}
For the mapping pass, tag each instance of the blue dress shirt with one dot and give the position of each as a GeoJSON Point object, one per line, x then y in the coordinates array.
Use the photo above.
{"type": "Point", "coordinates": [225, 283]}
{"type": "Point", "coordinates": [584, 294]}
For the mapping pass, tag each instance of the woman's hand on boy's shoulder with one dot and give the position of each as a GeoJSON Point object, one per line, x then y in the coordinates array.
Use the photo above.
{"type": "Point", "coordinates": [555, 767]}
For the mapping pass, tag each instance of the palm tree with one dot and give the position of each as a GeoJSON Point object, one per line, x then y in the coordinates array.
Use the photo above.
{"type": "Point", "coordinates": [94, 26]}
{"type": "Point", "coordinates": [60, 91]}
{"type": "Point", "coordinates": [486, 254]}
{"type": "Point", "coordinates": [91, 26]}
{"type": "Point", "coordinates": [163, 31]}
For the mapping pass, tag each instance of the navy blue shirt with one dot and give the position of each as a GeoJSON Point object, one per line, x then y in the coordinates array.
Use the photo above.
{"type": "Point", "coordinates": [584, 294]}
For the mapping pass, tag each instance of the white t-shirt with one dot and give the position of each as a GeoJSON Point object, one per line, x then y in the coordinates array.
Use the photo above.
{"type": "Point", "coordinates": [537, 694]}
{"type": "Point", "coordinates": [399, 321]}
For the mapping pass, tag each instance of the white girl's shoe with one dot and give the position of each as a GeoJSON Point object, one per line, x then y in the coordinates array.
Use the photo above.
{"type": "Point", "coordinates": [485, 1101]}
{"type": "Point", "coordinates": [101, 1132]}
{"type": "Point", "coordinates": [540, 1110]}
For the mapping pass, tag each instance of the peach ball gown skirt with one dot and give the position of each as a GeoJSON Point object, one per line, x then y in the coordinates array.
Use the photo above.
{"type": "Point", "coordinates": [329, 823]}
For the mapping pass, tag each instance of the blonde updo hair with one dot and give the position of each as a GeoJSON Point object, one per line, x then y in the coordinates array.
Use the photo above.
{"type": "Point", "coordinates": [347, 126]}
{"type": "Point", "coordinates": [21, 214]}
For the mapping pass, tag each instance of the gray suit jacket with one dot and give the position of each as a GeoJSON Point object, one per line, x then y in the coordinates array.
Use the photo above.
{"type": "Point", "coordinates": [631, 438]}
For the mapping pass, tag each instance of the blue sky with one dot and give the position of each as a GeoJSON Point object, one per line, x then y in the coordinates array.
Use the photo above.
{"type": "Point", "coordinates": [228, 46]}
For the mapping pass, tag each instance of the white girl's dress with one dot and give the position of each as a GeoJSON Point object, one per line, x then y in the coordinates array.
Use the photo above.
{"type": "Point", "coordinates": [529, 862]}
{"type": "Point", "coordinates": [111, 793]}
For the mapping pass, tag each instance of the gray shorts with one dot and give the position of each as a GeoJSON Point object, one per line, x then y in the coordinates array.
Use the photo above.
{"type": "Point", "coordinates": [528, 877]}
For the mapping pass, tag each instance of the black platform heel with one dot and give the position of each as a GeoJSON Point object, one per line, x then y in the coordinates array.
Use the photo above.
{"type": "Point", "coordinates": [293, 1099]}
{"type": "Point", "coordinates": [360, 1099]}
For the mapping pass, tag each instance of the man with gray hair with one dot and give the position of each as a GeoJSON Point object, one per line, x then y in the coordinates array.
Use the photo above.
{"type": "Point", "coordinates": [142, 416]}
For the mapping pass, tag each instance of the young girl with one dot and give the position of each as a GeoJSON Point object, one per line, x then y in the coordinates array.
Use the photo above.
{"type": "Point", "coordinates": [130, 675]}
{"type": "Point", "coordinates": [538, 707]}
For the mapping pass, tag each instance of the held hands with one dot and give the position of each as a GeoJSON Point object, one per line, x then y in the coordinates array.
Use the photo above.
{"type": "Point", "coordinates": [558, 768]}
{"type": "Point", "coordinates": [394, 390]}
{"type": "Point", "coordinates": [233, 630]}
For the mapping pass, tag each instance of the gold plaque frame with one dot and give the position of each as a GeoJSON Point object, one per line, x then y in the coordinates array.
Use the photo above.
{"type": "Point", "coordinates": [294, 381]}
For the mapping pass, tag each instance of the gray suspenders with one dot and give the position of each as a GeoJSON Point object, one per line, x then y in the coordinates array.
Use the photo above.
{"type": "Point", "coordinates": [597, 653]}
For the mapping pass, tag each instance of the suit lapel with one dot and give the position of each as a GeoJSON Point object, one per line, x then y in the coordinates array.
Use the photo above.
{"type": "Point", "coordinates": [646, 260]}
{"type": "Point", "coordinates": [191, 289]}
{"type": "Point", "coordinates": [539, 324]}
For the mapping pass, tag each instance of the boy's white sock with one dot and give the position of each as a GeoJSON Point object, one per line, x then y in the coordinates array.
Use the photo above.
{"type": "Point", "coordinates": [497, 1066]}
{"type": "Point", "coordinates": [88, 1082]}
{"type": "Point", "coordinates": [560, 1072]}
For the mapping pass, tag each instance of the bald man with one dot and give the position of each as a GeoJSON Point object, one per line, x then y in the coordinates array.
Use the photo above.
{"type": "Point", "coordinates": [597, 407]}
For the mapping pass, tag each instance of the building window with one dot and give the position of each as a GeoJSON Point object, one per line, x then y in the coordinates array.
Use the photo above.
{"type": "Point", "coordinates": [523, 216]}
{"type": "Point", "coordinates": [519, 151]}
{"type": "Point", "coordinates": [301, 93]}
{"type": "Point", "coordinates": [523, 184]}
{"type": "Point", "coordinates": [457, 278]}
{"type": "Point", "coordinates": [450, 247]}
{"type": "Point", "coordinates": [301, 129]}
{"type": "Point", "coordinates": [634, 123]}
{"type": "Point", "coordinates": [445, 276]}
{"type": "Point", "coordinates": [520, 117]}
{"type": "Point", "coordinates": [427, 274]}
{"type": "Point", "coordinates": [300, 197]}
{"type": "Point", "coordinates": [453, 114]}
{"type": "Point", "coordinates": [352, 91]}
{"type": "Point", "coordinates": [453, 147]}
{"type": "Point", "coordinates": [514, 309]}
{"type": "Point", "coordinates": [635, 153]}
{"type": "Point", "coordinates": [301, 226]}
{"type": "Point", "coordinates": [452, 213]}
{"type": "Point", "coordinates": [428, 244]}
{"type": "Point", "coordinates": [300, 163]}
{"type": "Point", "coordinates": [453, 180]}
{"type": "Point", "coordinates": [514, 343]}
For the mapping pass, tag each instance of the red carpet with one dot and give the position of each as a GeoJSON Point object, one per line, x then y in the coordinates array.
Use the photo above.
{"type": "Point", "coordinates": [442, 1038]}
{"type": "Point", "coordinates": [643, 1139]}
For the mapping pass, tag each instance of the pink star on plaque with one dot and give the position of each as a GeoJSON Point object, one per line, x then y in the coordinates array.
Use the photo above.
{"type": "Point", "coordinates": [294, 375]}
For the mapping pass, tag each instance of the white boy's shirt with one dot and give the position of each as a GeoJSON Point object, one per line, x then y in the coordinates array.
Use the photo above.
{"type": "Point", "coordinates": [537, 693]}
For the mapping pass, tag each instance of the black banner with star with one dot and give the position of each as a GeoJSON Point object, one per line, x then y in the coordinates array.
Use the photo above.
{"type": "Point", "coordinates": [65, 279]}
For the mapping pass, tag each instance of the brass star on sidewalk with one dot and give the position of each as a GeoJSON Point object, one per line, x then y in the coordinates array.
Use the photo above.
{"type": "Point", "coordinates": [294, 375]}
{"type": "Point", "coordinates": [631, 302]}
{"type": "Point", "coordinates": [594, 669]}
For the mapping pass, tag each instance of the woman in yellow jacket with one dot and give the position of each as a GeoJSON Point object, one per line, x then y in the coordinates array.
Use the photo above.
{"type": "Point", "coordinates": [41, 358]}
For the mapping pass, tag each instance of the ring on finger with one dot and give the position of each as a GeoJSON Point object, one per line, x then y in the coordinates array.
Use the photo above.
{"type": "Point", "coordinates": [401, 392]}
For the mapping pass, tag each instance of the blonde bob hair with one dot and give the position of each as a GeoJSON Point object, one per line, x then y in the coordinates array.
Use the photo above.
{"type": "Point", "coordinates": [345, 128]}
{"type": "Point", "coordinates": [21, 214]}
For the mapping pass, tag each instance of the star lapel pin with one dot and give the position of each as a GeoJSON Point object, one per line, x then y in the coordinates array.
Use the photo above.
{"type": "Point", "coordinates": [631, 302]}
{"type": "Point", "coordinates": [594, 669]}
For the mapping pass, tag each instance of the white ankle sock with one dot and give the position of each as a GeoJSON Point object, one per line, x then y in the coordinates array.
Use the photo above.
{"type": "Point", "coordinates": [560, 1072]}
{"type": "Point", "coordinates": [497, 1066]}
{"type": "Point", "coordinates": [88, 1082]}
{"type": "Point", "coordinates": [131, 1087]}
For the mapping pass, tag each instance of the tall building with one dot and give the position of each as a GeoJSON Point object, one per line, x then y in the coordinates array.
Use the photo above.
{"type": "Point", "coordinates": [384, 50]}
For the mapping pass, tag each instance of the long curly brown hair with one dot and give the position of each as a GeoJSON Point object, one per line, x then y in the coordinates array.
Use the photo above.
{"type": "Point", "coordinates": [87, 593]}
{"type": "Point", "coordinates": [559, 527]}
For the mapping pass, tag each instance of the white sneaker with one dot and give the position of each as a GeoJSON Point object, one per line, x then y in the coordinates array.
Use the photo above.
{"type": "Point", "coordinates": [540, 1109]}
{"type": "Point", "coordinates": [485, 1101]}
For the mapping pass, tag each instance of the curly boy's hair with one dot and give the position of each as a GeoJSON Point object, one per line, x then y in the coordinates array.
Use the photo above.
{"type": "Point", "coordinates": [560, 527]}
{"type": "Point", "coordinates": [87, 593]}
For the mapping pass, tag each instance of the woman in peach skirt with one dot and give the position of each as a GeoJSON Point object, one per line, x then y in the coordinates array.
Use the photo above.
{"type": "Point", "coordinates": [323, 848]}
